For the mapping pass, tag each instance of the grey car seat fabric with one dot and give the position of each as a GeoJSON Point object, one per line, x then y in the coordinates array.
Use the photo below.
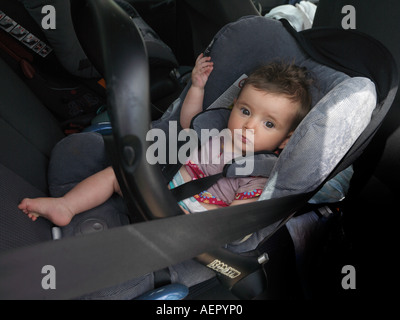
{"type": "Point", "coordinates": [327, 133]}
{"type": "Point", "coordinates": [72, 160]}
{"type": "Point", "coordinates": [198, 24]}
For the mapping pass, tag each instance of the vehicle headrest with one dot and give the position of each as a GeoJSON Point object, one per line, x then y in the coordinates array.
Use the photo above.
{"type": "Point", "coordinates": [69, 51]}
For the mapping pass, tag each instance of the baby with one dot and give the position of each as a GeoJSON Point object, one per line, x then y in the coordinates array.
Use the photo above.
{"type": "Point", "coordinates": [273, 101]}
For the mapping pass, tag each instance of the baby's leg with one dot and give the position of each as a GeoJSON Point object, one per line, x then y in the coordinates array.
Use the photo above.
{"type": "Point", "coordinates": [53, 209]}
{"type": "Point", "coordinates": [88, 194]}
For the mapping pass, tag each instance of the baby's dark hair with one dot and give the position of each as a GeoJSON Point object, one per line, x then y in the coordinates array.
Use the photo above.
{"type": "Point", "coordinates": [287, 79]}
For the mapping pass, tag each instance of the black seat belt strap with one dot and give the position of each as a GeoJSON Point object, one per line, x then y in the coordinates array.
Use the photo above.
{"type": "Point", "coordinates": [87, 264]}
{"type": "Point", "coordinates": [193, 187]}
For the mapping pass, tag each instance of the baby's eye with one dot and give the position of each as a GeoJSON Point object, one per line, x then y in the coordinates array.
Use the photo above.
{"type": "Point", "coordinates": [269, 124]}
{"type": "Point", "coordinates": [245, 111]}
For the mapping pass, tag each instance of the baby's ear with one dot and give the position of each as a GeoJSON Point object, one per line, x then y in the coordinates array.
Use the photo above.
{"type": "Point", "coordinates": [286, 140]}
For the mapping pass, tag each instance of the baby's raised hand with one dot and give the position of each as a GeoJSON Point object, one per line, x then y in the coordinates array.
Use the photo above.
{"type": "Point", "coordinates": [201, 71]}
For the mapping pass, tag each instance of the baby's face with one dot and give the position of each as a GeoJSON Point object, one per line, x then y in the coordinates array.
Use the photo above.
{"type": "Point", "coordinates": [261, 121]}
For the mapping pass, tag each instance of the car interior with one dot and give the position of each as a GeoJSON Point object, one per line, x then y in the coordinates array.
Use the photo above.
{"type": "Point", "coordinates": [112, 68]}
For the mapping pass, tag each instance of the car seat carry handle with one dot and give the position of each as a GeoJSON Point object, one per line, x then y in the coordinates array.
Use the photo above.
{"type": "Point", "coordinates": [125, 66]}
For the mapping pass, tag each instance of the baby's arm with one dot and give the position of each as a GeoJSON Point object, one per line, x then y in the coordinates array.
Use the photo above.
{"type": "Point", "coordinates": [193, 103]}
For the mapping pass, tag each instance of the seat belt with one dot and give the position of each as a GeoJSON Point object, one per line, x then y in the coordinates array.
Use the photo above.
{"type": "Point", "coordinates": [264, 161]}
{"type": "Point", "coordinates": [193, 187]}
{"type": "Point", "coordinates": [88, 263]}
{"type": "Point", "coordinates": [15, 40]}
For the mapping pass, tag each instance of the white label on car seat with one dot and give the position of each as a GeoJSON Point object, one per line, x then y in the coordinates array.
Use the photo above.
{"type": "Point", "coordinates": [224, 269]}
{"type": "Point", "coordinates": [226, 99]}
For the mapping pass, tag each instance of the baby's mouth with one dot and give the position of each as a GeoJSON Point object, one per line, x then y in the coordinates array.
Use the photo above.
{"type": "Point", "coordinates": [245, 139]}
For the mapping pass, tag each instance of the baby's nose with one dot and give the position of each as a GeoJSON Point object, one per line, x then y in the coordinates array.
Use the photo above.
{"type": "Point", "coordinates": [249, 133]}
{"type": "Point", "coordinates": [250, 124]}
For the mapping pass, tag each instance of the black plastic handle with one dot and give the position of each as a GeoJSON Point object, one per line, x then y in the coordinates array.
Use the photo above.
{"type": "Point", "coordinates": [115, 46]}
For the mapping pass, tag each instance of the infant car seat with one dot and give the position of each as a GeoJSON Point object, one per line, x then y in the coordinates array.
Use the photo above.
{"type": "Point", "coordinates": [342, 101]}
{"type": "Point", "coordinates": [346, 113]}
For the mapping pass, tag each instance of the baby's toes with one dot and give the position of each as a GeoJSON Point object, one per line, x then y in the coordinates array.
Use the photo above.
{"type": "Point", "coordinates": [33, 216]}
{"type": "Point", "coordinates": [24, 205]}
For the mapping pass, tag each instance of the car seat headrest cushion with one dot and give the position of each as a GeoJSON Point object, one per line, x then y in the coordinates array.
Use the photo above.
{"type": "Point", "coordinates": [323, 138]}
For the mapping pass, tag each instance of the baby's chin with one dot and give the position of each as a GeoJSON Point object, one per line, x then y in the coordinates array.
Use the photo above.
{"type": "Point", "coordinates": [242, 148]}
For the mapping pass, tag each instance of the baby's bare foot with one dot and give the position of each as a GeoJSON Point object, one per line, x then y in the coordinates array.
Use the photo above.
{"type": "Point", "coordinates": [52, 209]}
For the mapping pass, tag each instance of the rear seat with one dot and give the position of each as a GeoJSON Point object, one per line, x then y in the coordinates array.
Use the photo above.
{"type": "Point", "coordinates": [28, 133]}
